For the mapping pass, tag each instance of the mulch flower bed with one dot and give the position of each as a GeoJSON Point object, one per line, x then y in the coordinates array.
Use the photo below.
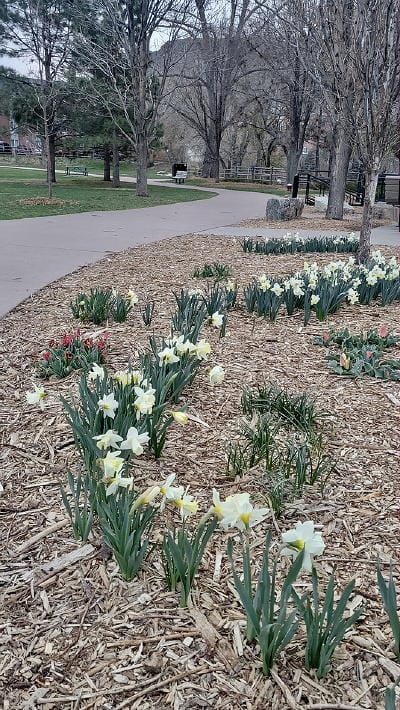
{"type": "Point", "coordinates": [74, 634]}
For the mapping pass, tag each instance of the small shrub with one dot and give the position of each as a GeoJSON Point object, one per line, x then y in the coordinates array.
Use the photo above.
{"type": "Point", "coordinates": [72, 352]}
{"type": "Point", "coordinates": [365, 361]}
{"type": "Point", "coordinates": [325, 622]}
{"type": "Point", "coordinates": [269, 620]}
{"type": "Point", "coordinates": [182, 554]}
{"type": "Point", "coordinates": [296, 410]}
{"type": "Point", "coordinates": [148, 313]}
{"type": "Point", "coordinates": [382, 337]}
{"type": "Point", "coordinates": [125, 531]}
{"type": "Point", "coordinates": [389, 598]}
{"type": "Point", "coordinates": [93, 308]}
{"type": "Point", "coordinates": [121, 308]}
{"type": "Point", "coordinates": [217, 271]}
{"type": "Point", "coordinates": [101, 305]}
{"type": "Point", "coordinates": [294, 243]}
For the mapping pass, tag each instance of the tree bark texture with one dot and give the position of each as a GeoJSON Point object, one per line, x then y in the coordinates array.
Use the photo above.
{"type": "Point", "coordinates": [340, 166]}
{"type": "Point", "coordinates": [141, 164]}
{"type": "Point", "coordinates": [115, 162]}
{"type": "Point", "coordinates": [371, 180]}
{"type": "Point", "coordinates": [107, 164]}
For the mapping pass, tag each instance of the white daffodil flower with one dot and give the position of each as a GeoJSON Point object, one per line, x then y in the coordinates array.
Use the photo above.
{"type": "Point", "coordinates": [109, 440]}
{"type": "Point", "coordinates": [180, 417]}
{"type": "Point", "coordinates": [183, 346]}
{"type": "Point", "coordinates": [231, 285]}
{"type": "Point", "coordinates": [203, 349]}
{"type": "Point", "coordinates": [167, 490]}
{"type": "Point", "coordinates": [134, 441]}
{"type": "Point", "coordinates": [217, 319]}
{"type": "Point", "coordinates": [314, 299]}
{"type": "Point", "coordinates": [238, 512]}
{"type": "Point", "coordinates": [108, 404]}
{"type": "Point", "coordinates": [185, 502]}
{"type": "Point", "coordinates": [145, 400]}
{"type": "Point", "coordinates": [116, 482]}
{"type": "Point", "coordinates": [168, 356]}
{"type": "Point", "coordinates": [353, 296]}
{"type": "Point", "coordinates": [264, 283]}
{"type": "Point", "coordinates": [344, 361]}
{"type": "Point", "coordinates": [303, 537]}
{"type": "Point", "coordinates": [37, 396]}
{"type": "Point", "coordinates": [277, 289]}
{"type": "Point", "coordinates": [133, 297]}
{"type": "Point", "coordinates": [123, 377]}
{"type": "Point", "coordinates": [96, 372]}
{"type": "Point", "coordinates": [112, 463]}
{"type": "Point", "coordinates": [216, 375]}
{"type": "Point", "coordinates": [146, 498]}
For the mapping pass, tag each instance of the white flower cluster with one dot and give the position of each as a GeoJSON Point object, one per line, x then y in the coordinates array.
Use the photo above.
{"type": "Point", "coordinates": [336, 272]}
{"type": "Point", "coordinates": [337, 239]}
{"type": "Point", "coordinates": [177, 346]}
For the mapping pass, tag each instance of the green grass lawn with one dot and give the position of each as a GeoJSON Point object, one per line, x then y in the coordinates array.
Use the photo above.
{"type": "Point", "coordinates": [127, 167]}
{"type": "Point", "coordinates": [83, 194]}
{"type": "Point", "coordinates": [242, 186]}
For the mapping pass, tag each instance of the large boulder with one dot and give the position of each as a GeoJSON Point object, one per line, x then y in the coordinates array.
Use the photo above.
{"type": "Point", "coordinates": [281, 210]}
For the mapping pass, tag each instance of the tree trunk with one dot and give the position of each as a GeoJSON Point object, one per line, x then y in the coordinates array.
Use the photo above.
{"type": "Point", "coordinates": [107, 164]}
{"type": "Point", "coordinates": [206, 164]}
{"type": "Point", "coordinates": [115, 159]}
{"type": "Point", "coordinates": [52, 155]}
{"type": "Point", "coordinates": [340, 166]}
{"type": "Point", "coordinates": [292, 167]}
{"type": "Point", "coordinates": [141, 164]}
{"type": "Point", "coordinates": [48, 153]}
{"type": "Point", "coordinates": [371, 180]}
{"type": "Point", "coordinates": [214, 168]}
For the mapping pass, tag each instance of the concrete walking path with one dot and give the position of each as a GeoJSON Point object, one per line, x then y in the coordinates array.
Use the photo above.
{"type": "Point", "coordinates": [38, 250]}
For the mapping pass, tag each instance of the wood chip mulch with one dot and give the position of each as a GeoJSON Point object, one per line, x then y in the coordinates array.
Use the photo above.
{"type": "Point", "coordinates": [311, 219]}
{"type": "Point", "coordinates": [73, 634]}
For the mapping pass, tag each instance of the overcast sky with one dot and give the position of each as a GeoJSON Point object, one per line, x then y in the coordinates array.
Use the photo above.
{"type": "Point", "coordinates": [20, 65]}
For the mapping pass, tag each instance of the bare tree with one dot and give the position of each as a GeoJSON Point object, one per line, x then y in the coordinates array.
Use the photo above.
{"type": "Point", "coordinates": [283, 46]}
{"type": "Point", "coordinates": [357, 65]}
{"type": "Point", "coordinates": [216, 63]}
{"type": "Point", "coordinates": [115, 47]}
{"type": "Point", "coordinates": [40, 30]}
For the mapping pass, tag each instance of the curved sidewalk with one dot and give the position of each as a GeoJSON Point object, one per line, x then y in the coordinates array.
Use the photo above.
{"type": "Point", "coordinates": [38, 250]}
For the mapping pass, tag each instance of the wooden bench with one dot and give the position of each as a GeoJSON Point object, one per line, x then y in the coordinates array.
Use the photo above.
{"type": "Point", "coordinates": [180, 176]}
{"type": "Point", "coordinates": [76, 170]}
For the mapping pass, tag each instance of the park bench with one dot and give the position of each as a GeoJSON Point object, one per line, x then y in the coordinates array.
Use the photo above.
{"type": "Point", "coordinates": [76, 170]}
{"type": "Point", "coordinates": [180, 176]}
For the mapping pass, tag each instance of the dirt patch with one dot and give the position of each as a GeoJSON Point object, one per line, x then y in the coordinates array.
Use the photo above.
{"type": "Point", "coordinates": [40, 201]}
{"type": "Point", "coordinates": [79, 636]}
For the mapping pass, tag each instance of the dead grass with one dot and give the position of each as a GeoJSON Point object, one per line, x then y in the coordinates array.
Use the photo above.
{"type": "Point", "coordinates": [74, 635]}
{"type": "Point", "coordinates": [40, 201]}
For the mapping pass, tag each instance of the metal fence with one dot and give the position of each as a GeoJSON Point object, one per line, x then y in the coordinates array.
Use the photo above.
{"type": "Point", "coordinates": [271, 176]}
